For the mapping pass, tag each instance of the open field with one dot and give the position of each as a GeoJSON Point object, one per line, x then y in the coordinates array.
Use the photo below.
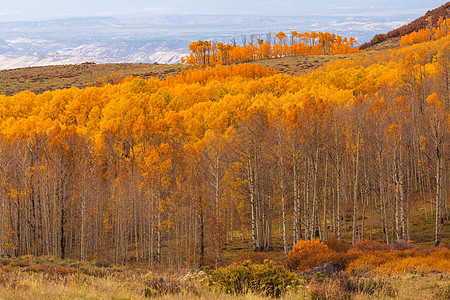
{"type": "Point", "coordinates": [298, 65]}
{"type": "Point", "coordinates": [41, 79]}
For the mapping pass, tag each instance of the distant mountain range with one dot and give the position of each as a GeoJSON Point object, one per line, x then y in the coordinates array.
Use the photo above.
{"type": "Point", "coordinates": [162, 39]}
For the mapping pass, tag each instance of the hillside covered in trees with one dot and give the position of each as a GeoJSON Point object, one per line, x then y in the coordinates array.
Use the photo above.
{"type": "Point", "coordinates": [421, 24]}
{"type": "Point", "coordinates": [168, 171]}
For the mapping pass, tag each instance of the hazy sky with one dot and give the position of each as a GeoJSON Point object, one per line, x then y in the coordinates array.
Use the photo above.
{"type": "Point", "coordinates": [18, 10]}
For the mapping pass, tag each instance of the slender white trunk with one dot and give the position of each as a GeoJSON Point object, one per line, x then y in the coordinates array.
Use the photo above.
{"type": "Point", "coordinates": [283, 197]}
{"type": "Point", "coordinates": [439, 218]}
{"type": "Point", "coordinates": [355, 190]}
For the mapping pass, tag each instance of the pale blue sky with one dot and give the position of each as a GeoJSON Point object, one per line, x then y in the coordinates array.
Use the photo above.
{"type": "Point", "coordinates": [19, 10]}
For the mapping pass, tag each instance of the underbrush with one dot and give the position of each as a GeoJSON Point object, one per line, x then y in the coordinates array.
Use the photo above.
{"type": "Point", "coordinates": [242, 278]}
{"type": "Point", "coordinates": [345, 286]}
{"type": "Point", "coordinates": [372, 270]}
{"type": "Point", "coordinates": [380, 259]}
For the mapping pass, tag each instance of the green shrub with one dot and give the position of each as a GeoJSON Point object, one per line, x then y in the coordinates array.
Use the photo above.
{"type": "Point", "coordinates": [241, 278]}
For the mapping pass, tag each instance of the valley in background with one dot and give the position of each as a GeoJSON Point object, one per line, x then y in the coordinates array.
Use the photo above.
{"type": "Point", "coordinates": [161, 39]}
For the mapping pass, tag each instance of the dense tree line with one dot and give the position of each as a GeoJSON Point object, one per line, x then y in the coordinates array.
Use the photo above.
{"type": "Point", "coordinates": [440, 30]}
{"type": "Point", "coordinates": [428, 22]}
{"type": "Point", "coordinates": [208, 53]}
{"type": "Point", "coordinates": [167, 171]}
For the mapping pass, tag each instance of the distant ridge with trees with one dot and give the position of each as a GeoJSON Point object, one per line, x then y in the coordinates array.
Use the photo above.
{"type": "Point", "coordinates": [416, 25]}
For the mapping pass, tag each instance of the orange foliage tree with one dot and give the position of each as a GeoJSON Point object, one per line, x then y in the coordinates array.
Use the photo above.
{"type": "Point", "coordinates": [207, 53]}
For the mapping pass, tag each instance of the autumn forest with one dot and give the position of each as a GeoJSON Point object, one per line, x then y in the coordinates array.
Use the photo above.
{"type": "Point", "coordinates": [168, 171]}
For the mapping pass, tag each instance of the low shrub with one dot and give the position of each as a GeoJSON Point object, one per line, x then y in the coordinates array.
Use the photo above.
{"type": "Point", "coordinates": [28, 257]}
{"type": "Point", "coordinates": [378, 39]}
{"type": "Point", "coordinates": [305, 255]}
{"type": "Point", "coordinates": [364, 246]}
{"type": "Point", "coordinates": [92, 271]}
{"type": "Point", "coordinates": [440, 248]}
{"type": "Point", "coordinates": [51, 270]}
{"type": "Point", "coordinates": [413, 261]}
{"type": "Point", "coordinates": [20, 263]}
{"type": "Point", "coordinates": [337, 245]}
{"type": "Point", "coordinates": [403, 261]}
{"type": "Point", "coordinates": [241, 278]}
{"type": "Point", "coordinates": [157, 286]}
{"type": "Point", "coordinates": [103, 263]}
{"type": "Point", "coordinates": [403, 245]}
{"type": "Point", "coordinates": [345, 286]}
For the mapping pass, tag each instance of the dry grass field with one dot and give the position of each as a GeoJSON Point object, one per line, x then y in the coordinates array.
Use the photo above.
{"type": "Point", "coordinates": [298, 65]}
{"type": "Point", "coordinates": [46, 277]}
{"type": "Point", "coordinates": [41, 79]}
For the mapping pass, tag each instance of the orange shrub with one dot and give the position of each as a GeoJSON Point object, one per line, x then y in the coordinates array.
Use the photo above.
{"type": "Point", "coordinates": [403, 261]}
{"type": "Point", "coordinates": [370, 259]}
{"type": "Point", "coordinates": [306, 255]}
{"type": "Point", "coordinates": [440, 249]}
{"type": "Point", "coordinates": [399, 258]}
{"type": "Point", "coordinates": [337, 245]}
{"type": "Point", "coordinates": [364, 246]}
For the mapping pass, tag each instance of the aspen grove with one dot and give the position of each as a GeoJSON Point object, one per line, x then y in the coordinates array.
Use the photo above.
{"type": "Point", "coordinates": [168, 171]}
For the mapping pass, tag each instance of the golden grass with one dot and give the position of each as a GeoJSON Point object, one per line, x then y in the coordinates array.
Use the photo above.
{"type": "Point", "coordinates": [298, 65]}
{"type": "Point", "coordinates": [40, 79]}
{"type": "Point", "coordinates": [37, 286]}
{"type": "Point", "coordinates": [425, 286]}
{"type": "Point", "coordinates": [26, 281]}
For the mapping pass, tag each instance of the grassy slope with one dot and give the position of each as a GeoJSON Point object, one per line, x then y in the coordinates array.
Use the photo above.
{"type": "Point", "coordinates": [40, 79]}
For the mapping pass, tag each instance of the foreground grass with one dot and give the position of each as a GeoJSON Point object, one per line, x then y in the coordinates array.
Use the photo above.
{"type": "Point", "coordinates": [428, 286]}
{"type": "Point", "coordinates": [49, 278]}
{"type": "Point", "coordinates": [39, 286]}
